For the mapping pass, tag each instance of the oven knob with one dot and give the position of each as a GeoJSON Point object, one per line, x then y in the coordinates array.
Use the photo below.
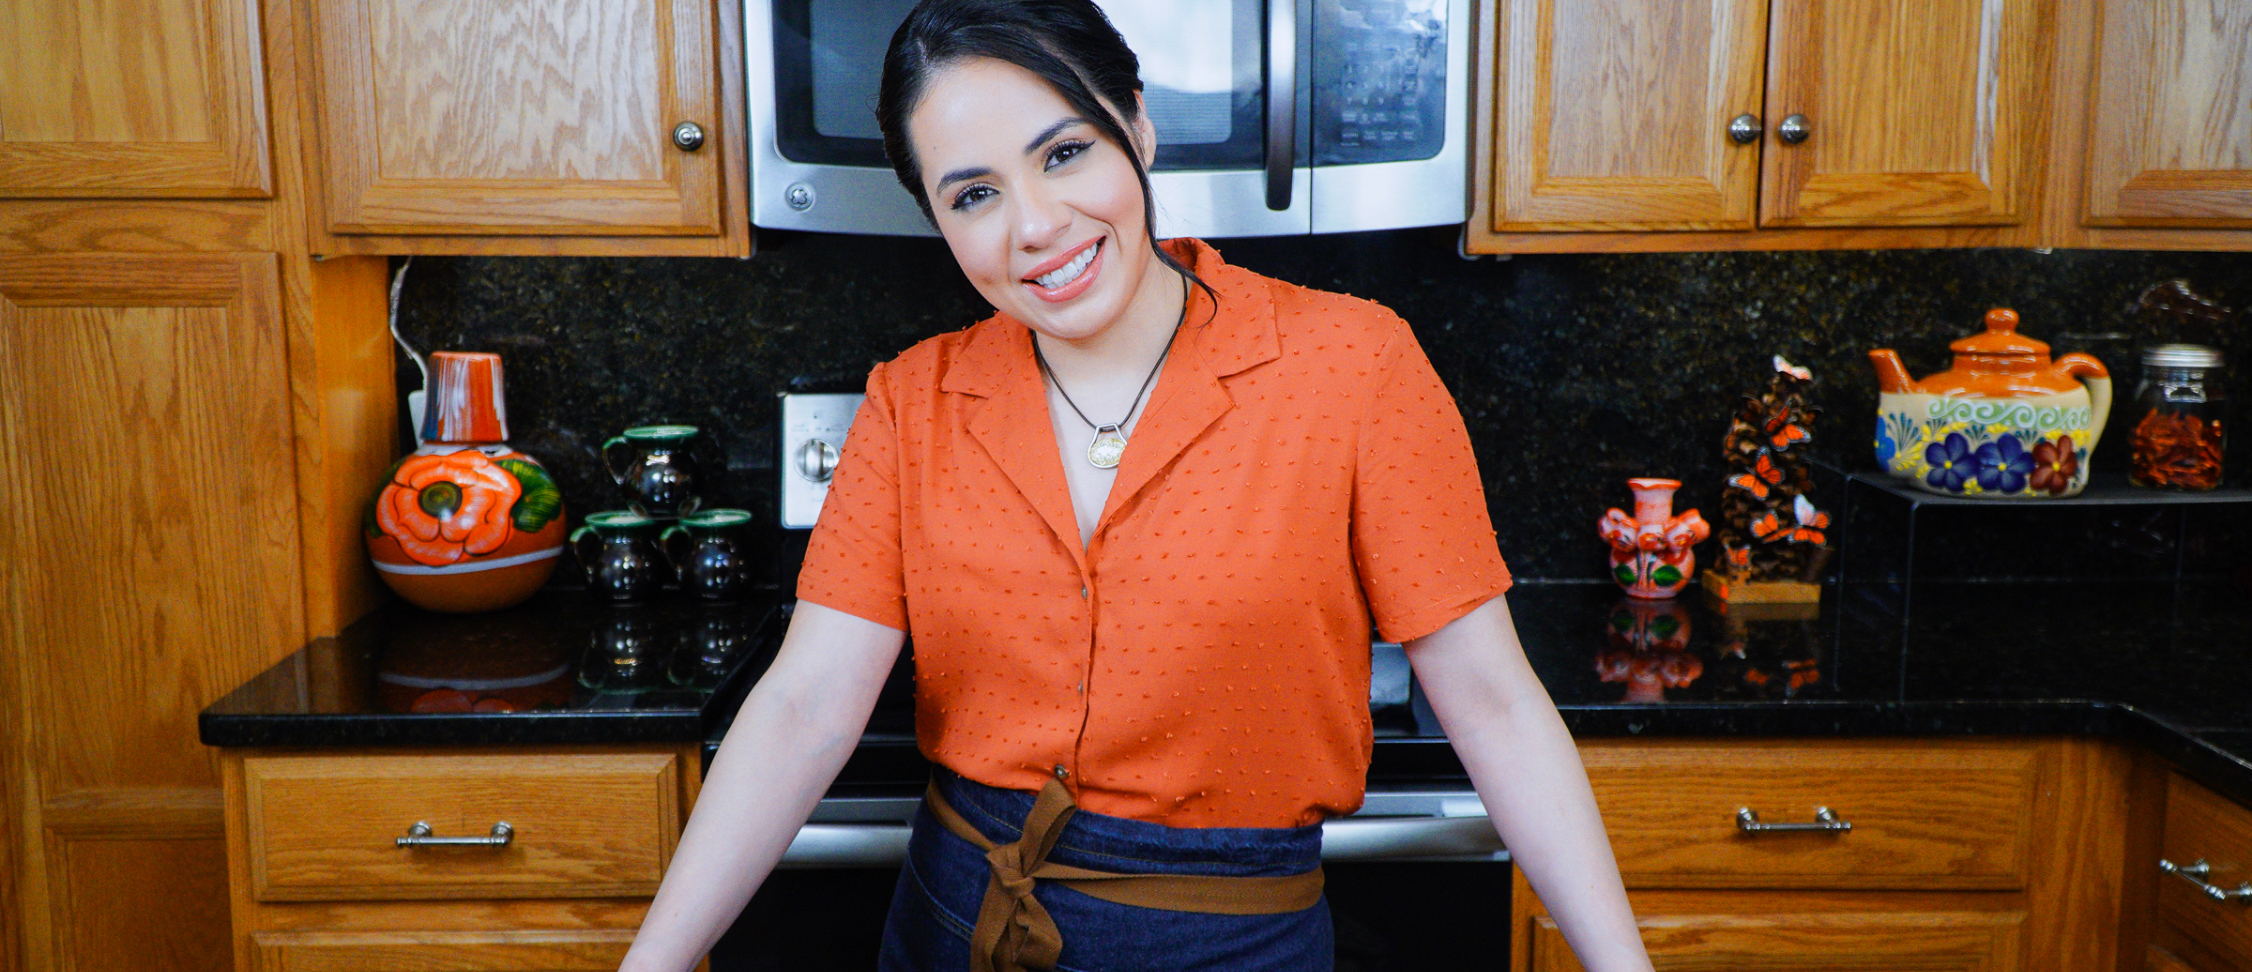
{"type": "Point", "coordinates": [817, 460]}
{"type": "Point", "coordinates": [799, 196]}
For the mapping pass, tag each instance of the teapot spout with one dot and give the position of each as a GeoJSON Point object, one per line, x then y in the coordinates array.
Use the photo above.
{"type": "Point", "coordinates": [1892, 376]}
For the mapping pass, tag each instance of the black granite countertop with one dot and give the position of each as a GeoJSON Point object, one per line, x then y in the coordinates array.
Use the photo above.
{"type": "Point", "coordinates": [560, 668]}
{"type": "Point", "coordinates": [2164, 665]}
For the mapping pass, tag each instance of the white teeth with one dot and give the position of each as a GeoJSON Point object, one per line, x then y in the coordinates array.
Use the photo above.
{"type": "Point", "coordinates": [1069, 271]}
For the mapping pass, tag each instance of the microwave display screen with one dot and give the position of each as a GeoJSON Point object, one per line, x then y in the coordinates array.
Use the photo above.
{"type": "Point", "coordinates": [1201, 73]}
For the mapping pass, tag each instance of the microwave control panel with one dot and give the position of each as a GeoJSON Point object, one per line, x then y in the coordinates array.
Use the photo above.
{"type": "Point", "coordinates": [1380, 80]}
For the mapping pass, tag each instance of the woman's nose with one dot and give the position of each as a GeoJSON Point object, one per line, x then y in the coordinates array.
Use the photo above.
{"type": "Point", "coordinates": [1041, 219]}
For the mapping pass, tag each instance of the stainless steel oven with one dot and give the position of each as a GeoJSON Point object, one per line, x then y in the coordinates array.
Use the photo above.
{"type": "Point", "coordinates": [1274, 117]}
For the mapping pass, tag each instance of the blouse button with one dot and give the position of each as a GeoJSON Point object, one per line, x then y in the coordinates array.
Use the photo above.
{"type": "Point", "coordinates": [1082, 593]}
{"type": "Point", "coordinates": [1061, 773]}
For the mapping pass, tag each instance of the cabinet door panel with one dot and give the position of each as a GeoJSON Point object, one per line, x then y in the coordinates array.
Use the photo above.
{"type": "Point", "coordinates": [131, 98]}
{"type": "Point", "coordinates": [518, 117]}
{"type": "Point", "coordinates": [1614, 114]}
{"type": "Point", "coordinates": [1720, 941]}
{"type": "Point", "coordinates": [584, 950]}
{"type": "Point", "coordinates": [148, 564]}
{"type": "Point", "coordinates": [1920, 112]}
{"type": "Point", "coordinates": [2202, 825]}
{"type": "Point", "coordinates": [2171, 134]}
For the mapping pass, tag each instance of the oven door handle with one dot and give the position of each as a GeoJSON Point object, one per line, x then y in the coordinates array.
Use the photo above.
{"type": "Point", "coordinates": [821, 845]}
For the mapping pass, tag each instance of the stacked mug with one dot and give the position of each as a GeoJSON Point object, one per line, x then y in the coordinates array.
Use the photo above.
{"type": "Point", "coordinates": [664, 536]}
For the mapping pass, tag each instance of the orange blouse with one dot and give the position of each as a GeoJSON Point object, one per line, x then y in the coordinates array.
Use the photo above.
{"type": "Point", "coordinates": [1204, 661]}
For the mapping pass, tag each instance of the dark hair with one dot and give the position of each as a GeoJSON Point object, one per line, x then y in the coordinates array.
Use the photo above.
{"type": "Point", "coordinates": [1069, 44]}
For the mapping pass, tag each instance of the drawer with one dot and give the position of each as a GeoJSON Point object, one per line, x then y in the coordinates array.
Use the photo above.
{"type": "Point", "coordinates": [2204, 826]}
{"type": "Point", "coordinates": [1924, 815]}
{"type": "Point", "coordinates": [580, 950]}
{"type": "Point", "coordinates": [1723, 931]}
{"type": "Point", "coordinates": [327, 828]}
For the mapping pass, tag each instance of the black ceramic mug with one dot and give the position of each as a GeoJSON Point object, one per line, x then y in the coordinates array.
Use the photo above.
{"type": "Point", "coordinates": [709, 553]}
{"type": "Point", "coordinates": [654, 465]}
{"type": "Point", "coordinates": [618, 548]}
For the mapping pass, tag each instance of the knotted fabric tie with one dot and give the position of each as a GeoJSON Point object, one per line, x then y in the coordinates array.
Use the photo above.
{"type": "Point", "coordinates": [1014, 933]}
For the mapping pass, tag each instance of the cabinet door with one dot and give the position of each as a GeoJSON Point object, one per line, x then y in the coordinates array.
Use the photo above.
{"type": "Point", "coordinates": [148, 564]}
{"type": "Point", "coordinates": [131, 98]}
{"type": "Point", "coordinates": [1614, 114]}
{"type": "Point", "coordinates": [581, 950]}
{"type": "Point", "coordinates": [2170, 142]}
{"type": "Point", "coordinates": [549, 117]}
{"type": "Point", "coordinates": [1917, 112]}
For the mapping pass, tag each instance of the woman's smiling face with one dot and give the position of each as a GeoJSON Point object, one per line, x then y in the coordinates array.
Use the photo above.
{"type": "Point", "coordinates": [1043, 213]}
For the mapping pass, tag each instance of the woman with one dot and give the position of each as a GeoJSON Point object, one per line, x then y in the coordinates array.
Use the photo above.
{"type": "Point", "coordinates": [1139, 523]}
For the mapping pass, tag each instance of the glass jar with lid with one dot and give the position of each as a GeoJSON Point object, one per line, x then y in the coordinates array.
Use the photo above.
{"type": "Point", "coordinates": [2179, 418]}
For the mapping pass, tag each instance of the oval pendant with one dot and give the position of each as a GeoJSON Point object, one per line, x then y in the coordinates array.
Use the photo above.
{"type": "Point", "coordinates": [1107, 447]}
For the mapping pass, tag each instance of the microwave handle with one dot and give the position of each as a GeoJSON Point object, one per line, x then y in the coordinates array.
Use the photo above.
{"type": "Point", "coordinates": [1282, 100]}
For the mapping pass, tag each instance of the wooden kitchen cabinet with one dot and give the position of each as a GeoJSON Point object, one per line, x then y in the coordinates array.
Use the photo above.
{"type": "Point", "coordinates": [2192, 930]}
{"type": "Point", "coordinates": [1606, 125]}
{"type": "Point", "coordinates": [2170, 140]}
{"type": "Point", "coordinates": [530, 126]}
{"type": "Point", "coordinates": [1977, 856]}
{"type": "Point", "coordinates": [149, 563]}
{"type": "Point", "coordinates": [132, 98]}
{"type": "Point", "coordinates": [320, 881]}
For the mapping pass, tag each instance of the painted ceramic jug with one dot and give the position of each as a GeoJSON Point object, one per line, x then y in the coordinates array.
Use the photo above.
{"type": "Point", "coordinates": [2004, 423]}
{"type": "Point", "coordinates": [466, 523]}
{"type": "Point", "coordinates": [1650, 554]}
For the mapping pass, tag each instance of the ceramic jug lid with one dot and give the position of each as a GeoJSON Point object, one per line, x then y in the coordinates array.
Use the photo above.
{"type": "Point", "coordinates": [2001, 339]}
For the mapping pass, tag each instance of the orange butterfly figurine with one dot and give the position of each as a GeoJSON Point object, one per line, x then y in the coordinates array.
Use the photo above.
{"type": "Point", "coordinates": [1784, 430]}
{"type": "Point", "coordinates": [1811, 522]}
{"type": "Point", "coordinates": [1764, 474]}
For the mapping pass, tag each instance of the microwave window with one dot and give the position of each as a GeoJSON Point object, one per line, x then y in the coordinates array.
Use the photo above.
{"type": "Point", "coordinates": [1201, 73]}
{"type": "Point", "coordinates": [849, 38]}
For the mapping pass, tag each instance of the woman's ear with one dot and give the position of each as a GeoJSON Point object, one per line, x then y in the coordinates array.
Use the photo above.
{"type": "Point", "coordinates": [1145, 134]}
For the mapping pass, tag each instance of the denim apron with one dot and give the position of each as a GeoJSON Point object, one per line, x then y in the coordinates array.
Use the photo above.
{"type": "Point", "coordinates": [944, 881]}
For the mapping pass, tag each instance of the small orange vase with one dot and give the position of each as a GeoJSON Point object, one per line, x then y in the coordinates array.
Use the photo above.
{"type": "Point", "coordinates": [1650, 555]}
{"type": "Point", "coordinates": [466, 523]}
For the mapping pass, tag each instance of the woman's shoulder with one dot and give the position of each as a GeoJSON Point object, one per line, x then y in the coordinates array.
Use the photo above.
{"type": "Point", "coordinates": [925, 366]}
{"type": "Point", "coordinates": [1322, 327]}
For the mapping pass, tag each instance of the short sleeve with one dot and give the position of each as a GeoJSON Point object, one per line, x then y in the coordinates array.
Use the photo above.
{"type": "Point", "coordinates": [853, 561]}
{"type": "Point", "coordinates": [1423, 541]}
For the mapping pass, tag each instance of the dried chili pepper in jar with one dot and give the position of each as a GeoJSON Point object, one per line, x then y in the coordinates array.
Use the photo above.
{"type": "Point", "coordinates": [2177, 442]}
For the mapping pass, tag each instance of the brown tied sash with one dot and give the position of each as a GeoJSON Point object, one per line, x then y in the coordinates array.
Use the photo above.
{"type": "Point", "coordinates": [1014, 933]}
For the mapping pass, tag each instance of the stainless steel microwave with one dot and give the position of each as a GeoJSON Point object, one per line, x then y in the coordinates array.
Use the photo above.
{"type": "Point", "coordinates": [1273, 117]}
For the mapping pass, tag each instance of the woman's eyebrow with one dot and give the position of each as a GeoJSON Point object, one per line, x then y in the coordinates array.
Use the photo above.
{"type": "Point", "coordinates": [1050, 132]}
{"type": "Point", "coordinates": [959, 175]}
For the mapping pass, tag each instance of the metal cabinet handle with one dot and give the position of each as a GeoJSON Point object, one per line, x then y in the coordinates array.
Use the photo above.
{"type": "Point", "coordinates": [1825, 821]}
{"type": "Point", "coordinates": [1794, 129]}
{"type": "Point", "coordinates": [1282, 100]}
{"type": "Point", "coordinates": [419, 836]}
{"type": "Point", "coordinates": [2195, 872]}
{"type": "Point", "coordinates": [688, 135]}
{"type": "Point", "coordinates": [1745, 129]}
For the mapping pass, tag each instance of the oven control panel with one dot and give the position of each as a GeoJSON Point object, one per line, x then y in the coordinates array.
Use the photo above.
{"type": "Point", "coordinates": [813, 439]}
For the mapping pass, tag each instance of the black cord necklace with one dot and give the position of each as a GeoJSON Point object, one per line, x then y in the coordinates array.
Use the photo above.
{"type": "Point", "coordinates": [1108, 447]}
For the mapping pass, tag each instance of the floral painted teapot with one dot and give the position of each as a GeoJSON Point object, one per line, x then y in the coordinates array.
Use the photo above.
{"type": "Point", "coordinates": [2004, 423]}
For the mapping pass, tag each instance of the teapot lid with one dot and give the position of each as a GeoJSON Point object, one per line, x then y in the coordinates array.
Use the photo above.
{"type": "Point", "coordinates": [2001, 339]}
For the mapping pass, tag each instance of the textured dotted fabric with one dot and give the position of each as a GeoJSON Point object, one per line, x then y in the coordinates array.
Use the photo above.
{"type": "Point", "coordinates": [1299, 472]}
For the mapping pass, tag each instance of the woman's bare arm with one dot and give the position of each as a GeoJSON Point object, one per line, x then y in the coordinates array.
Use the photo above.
{"type": "Point", "coordinates": [789, 740]}
{"type": "Point", "coordinates": [1526, 769]}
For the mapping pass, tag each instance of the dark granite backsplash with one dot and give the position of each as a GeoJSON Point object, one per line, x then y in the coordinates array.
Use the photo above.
{"type": "Point", "coordinates": [1573, 372]}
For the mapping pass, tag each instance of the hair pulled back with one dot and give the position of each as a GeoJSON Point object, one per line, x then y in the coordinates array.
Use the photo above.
{"type": "Point", "coordinates": [1069, 44]}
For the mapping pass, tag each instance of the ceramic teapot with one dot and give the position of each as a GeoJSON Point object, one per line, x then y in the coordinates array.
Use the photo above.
{"type": "Point", "coordinates": [2005, 422]}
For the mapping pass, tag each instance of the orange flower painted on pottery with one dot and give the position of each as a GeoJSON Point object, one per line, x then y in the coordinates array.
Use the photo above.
{"type": "Point", "coordinates": [2054, 465]}
{"type": "Point", "coordinates": [444, 508]}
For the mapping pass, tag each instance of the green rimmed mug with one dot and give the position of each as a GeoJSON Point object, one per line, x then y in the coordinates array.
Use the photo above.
{"type": "Point", "coordinates": [654, 465]}
{"type": "Point", "coordinates": [618, 548]}
{"type": "Point", "coordinates": [710, 554]}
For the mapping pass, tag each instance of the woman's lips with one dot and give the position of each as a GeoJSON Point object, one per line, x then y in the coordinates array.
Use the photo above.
{"type": "Point", "coordinates": [1076, 285]}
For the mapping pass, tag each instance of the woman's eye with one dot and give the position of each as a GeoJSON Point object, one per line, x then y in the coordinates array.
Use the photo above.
{"type": "Point", "coordinates": [971, 197]}
{"type": "Point", "coordinates": [1065, 152]}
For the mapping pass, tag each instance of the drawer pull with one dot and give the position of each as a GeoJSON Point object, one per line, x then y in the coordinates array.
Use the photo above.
{"type": "Point", "coordinates": [1825, 821]}
{"type": "Point", "coordinates": [419, 836]}
{"type": "Point", "coordinates": [2197, 871]}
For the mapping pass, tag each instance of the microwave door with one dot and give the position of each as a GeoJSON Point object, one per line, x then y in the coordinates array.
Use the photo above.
{"type": "Point", "coordinates": [1391, 85]}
